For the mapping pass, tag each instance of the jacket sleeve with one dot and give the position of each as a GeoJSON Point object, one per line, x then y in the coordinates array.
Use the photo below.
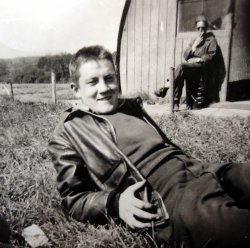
{"type": "Point", "coordinates": [188, 52]}
{"type": "Point", "coordinates": [81, 197]}
{"type": "Point", "coordinates": [210, 52]}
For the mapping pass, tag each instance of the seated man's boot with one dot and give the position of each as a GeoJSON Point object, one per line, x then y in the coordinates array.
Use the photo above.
{"type": "Point", "coordinates": [176, 105]}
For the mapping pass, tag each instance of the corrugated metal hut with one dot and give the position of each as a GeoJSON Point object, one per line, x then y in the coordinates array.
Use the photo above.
{"type": "Point", "coordinates": [154, 34]}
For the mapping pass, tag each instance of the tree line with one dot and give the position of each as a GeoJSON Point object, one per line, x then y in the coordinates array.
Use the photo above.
{"type": "Point", "coordinates": [35, 69]}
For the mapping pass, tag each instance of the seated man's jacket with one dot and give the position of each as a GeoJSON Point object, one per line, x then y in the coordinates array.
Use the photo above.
{"type": "Point", "coordinates": [207, 50]}
{"type": "Point", "coordinates": [89, 165]}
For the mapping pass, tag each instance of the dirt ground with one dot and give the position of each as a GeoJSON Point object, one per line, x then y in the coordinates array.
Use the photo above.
{"type": "Point", "coordinates": [222, 109]}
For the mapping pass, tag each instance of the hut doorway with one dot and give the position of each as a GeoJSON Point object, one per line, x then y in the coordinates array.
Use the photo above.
{"type": "Point", "coordinates": [219, 15]}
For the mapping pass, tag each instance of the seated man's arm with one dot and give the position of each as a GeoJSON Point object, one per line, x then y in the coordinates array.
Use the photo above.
{"type": "Point", "coordinates": [208, 56]}
{"type": "Point", "coordinates": [188, 52]}
{"type": "Point", "coordinates": [81, 197]}
{"type": "Point", "coordinates": [210, 52]}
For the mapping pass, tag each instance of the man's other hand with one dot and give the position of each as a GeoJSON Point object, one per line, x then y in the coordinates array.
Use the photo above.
{"type": "Point", "coordinates": [195, 60]}
{"type": "Point", "coordinates": [132, 209]}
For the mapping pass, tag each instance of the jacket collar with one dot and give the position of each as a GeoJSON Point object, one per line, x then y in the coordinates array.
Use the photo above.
{"type": "Point", "coordinates": [79, 107]}
{"type": "Point", "coordinates": [209, 36]}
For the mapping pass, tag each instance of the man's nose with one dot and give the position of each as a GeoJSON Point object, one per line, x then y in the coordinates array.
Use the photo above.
{"type": "Point", "coordinates": [103, 86]}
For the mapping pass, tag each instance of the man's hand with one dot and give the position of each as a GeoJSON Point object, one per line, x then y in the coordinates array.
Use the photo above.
{"type": "Point", "coordinates": [195, 60]}
{"type": "Point", "coordinates": [131, 207]}
{"type": "Point", "coordinates": [197, 42]}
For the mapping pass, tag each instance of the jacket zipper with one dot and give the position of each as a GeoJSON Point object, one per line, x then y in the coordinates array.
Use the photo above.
{"type": "Point", "coordinates": [125, 158]}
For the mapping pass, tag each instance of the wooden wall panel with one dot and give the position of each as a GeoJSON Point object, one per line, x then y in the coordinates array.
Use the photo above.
{"type": "Point", "coordinates": [223, 40]}
{"type": "Point", "coordinates": [171, 36]}
{"type": "Point", "coordinates": [123, 59]}
{"type": "Point", "coordinates": [146, 44]}
{"type": "Point", "coordinates": [178, 51]}
{"type": "Point", "coordinates": [168, 58]}
{"type": "Point", "coordinates": [138, 46]}
{"type": "Point", "coordinates": [131, 48]}
{"type": "Point", "coordinates": [162, 43]}
{"type": "Point", "coordinates": [153, 45]}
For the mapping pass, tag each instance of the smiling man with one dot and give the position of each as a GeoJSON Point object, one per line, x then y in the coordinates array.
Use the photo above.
{"type": "Point", "coordinates": [97, 85]}
{"type": "Point", "coordinates": [113, 161]}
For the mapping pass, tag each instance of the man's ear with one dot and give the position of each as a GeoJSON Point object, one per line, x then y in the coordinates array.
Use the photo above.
{"type": "Point", "coordinates": [74, 88]}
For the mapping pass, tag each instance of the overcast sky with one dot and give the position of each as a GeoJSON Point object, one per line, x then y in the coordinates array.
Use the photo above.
{"type": "Point", "coordinates": [59, 25]}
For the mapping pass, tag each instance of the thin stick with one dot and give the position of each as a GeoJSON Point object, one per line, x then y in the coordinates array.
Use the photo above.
{"type": "Point", "coordinates": [53, 83]}
{"type": "Point", "coordinates": [171, 89]}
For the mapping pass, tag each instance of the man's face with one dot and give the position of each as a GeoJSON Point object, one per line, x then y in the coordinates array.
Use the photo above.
{"type": "Point", "coordinates": [98, 86]}
{"type": "Point", "coordinates": [201, 28]}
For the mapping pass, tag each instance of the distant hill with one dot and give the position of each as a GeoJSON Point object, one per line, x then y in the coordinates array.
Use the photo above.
{"type": "Point", "coordinates": [7, 52]}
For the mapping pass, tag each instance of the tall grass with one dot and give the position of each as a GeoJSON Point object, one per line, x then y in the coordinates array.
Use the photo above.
{"type": "Point", "coordinates": [209, 139]}
{"type": "Point", "coordinates": [28, 193]}
{"type": "Point", "coordinates": [38, 92]}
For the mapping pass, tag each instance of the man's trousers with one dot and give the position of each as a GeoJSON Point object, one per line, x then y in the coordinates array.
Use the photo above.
{"type": "Point", "coordinates": [209, 205]}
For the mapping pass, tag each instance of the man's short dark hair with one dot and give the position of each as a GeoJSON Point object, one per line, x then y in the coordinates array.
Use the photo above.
{"type": "Point", "coordinates": [84, 55]}
{"type": "Point", "coordinates": [201, 19]}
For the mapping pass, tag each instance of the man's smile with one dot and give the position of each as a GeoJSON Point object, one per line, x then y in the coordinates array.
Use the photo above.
{"type": "Point", "coordinates": [105, 98]}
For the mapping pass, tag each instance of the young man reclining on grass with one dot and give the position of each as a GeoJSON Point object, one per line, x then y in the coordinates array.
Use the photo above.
{"type": "Point", "coordinates": [112, 160]}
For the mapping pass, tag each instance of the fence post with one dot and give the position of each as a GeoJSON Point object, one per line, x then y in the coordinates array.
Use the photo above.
{"type": "Point", "coordinates": [11, 90]}
{"type": "Point", "coordinates": [171, 88]}
{"type": "Point", "coordinates": [53, 84]}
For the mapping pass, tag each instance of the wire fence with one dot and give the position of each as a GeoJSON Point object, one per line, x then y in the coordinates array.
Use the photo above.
{"type": "Point", "coordinates": [48, 92]}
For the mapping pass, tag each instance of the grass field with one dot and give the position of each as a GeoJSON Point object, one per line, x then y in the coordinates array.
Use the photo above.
{"type": "Point", "coordinates": [27, 178]}
{"type": "Point", "coordinates": [37, 92]}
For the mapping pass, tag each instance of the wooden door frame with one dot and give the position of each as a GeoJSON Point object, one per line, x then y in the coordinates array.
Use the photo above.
{"type": "Point", "coordinates": [227, 32]}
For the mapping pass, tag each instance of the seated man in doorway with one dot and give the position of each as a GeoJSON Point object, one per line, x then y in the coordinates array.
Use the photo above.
{"type": "Point", "coordinates": [199, 57]}
{"type": "Point", "coordinates": [113, 161]}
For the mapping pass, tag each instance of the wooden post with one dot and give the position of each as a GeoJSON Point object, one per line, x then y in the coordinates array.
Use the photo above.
{"type": "Point", "coordinates": [11, 90]}
{"type": "Point", "coordinates": [229, 29]}
{"type": "Point", "coordinates": [53, 84]}
{"type": "Point", "coordinates": [171, 89]}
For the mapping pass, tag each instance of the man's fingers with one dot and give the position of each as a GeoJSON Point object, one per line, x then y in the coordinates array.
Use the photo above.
{"type": "Point", "coordinates": [143, 214]}
{"type": "Point", "coordinates": [141, 204]}
{"type": "Point", "coordinates": [131, 207]}
{"type": "Point", "coordinates": [136, 224]}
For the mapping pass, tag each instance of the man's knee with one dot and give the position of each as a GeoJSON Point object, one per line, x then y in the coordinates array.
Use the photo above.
{"type": "Point", "coordinates": [184, 69]}
{"type": "Point", "coordinates": [235, 181]}
{"type": "Point", "coordinates": [180, 68]}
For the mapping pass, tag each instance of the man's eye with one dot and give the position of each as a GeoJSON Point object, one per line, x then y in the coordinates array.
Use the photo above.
{"type": "Point", "coordinates": [109, 78]}
{"type": "Point", "coordinates": [93, 82]}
